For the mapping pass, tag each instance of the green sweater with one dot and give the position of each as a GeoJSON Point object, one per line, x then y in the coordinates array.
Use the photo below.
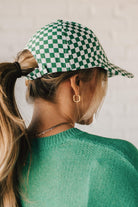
{"type": "Point", "coordinates": [77, 169]}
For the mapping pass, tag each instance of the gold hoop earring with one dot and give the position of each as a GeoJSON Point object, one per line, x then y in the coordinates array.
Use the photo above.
{"type": "Point", "coordinates": [74, 98]}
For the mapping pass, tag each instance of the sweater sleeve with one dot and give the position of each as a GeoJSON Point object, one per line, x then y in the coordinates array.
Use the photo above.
{"type": "Point", "coordinates": [114, 177]}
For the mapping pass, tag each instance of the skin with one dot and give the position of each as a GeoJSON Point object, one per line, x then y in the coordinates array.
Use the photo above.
{"type": "Point", "coordinates": [47, 114]}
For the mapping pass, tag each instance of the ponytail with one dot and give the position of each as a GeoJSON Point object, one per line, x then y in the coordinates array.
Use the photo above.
{"type": "Point", "coordinates": [14, 142]}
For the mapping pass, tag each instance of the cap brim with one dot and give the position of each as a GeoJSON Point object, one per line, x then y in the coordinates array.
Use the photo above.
{"type": "Point", "coordinates": [116, 70]}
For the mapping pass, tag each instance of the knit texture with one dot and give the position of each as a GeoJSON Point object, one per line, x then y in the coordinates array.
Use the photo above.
{"type": "Point", "coordinates": [77, 169]}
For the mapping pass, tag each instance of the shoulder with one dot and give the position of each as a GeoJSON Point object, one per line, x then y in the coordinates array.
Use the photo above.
{"type": "Point", "coordinates": [120, 148]}
{"type": "Point", "coordinates": [113, 172]}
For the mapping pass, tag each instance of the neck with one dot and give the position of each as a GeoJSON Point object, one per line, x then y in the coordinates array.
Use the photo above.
{"type": "Point", "coordinates": [45, 116]}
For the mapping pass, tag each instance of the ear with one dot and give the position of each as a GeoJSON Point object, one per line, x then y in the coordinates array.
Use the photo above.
{"type": "Point", "coordinates": [75, 83]}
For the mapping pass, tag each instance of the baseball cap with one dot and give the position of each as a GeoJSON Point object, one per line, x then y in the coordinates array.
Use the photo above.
{"type": "Point", "coordinates": [66, 46]}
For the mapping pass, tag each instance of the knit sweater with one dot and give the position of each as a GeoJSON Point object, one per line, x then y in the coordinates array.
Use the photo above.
{"type": "Point", "coordinates": [77, 169]}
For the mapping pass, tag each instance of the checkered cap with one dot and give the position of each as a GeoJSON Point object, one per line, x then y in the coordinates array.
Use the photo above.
{"type": "Point", "coordinates": [66, 46]}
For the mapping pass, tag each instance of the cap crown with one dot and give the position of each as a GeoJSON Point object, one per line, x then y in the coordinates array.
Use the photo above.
{"type": "Point", "coordinates": [65, 46]}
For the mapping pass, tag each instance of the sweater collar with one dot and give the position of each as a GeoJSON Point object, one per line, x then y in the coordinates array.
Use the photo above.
{"type": "Point", "coordinates": [46, 142]}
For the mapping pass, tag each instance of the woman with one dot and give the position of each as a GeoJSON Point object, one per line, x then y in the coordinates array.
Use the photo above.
{"type": "Point", "coordinates": [52, 163]}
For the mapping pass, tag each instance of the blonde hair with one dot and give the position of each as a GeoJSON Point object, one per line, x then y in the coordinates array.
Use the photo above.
{"type": "Point", "coordinates": [14, 140]}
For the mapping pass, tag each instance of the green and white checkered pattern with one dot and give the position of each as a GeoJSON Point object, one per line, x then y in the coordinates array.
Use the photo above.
{"type": "Point", "coordinates": [66, 46]}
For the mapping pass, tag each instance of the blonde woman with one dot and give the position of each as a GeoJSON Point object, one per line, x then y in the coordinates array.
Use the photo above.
{"type": "Point", "coordinates": [51, 163]}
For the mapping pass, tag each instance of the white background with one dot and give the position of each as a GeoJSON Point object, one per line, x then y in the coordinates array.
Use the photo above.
{"type": "Point", "coordinates": [115, 24]}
